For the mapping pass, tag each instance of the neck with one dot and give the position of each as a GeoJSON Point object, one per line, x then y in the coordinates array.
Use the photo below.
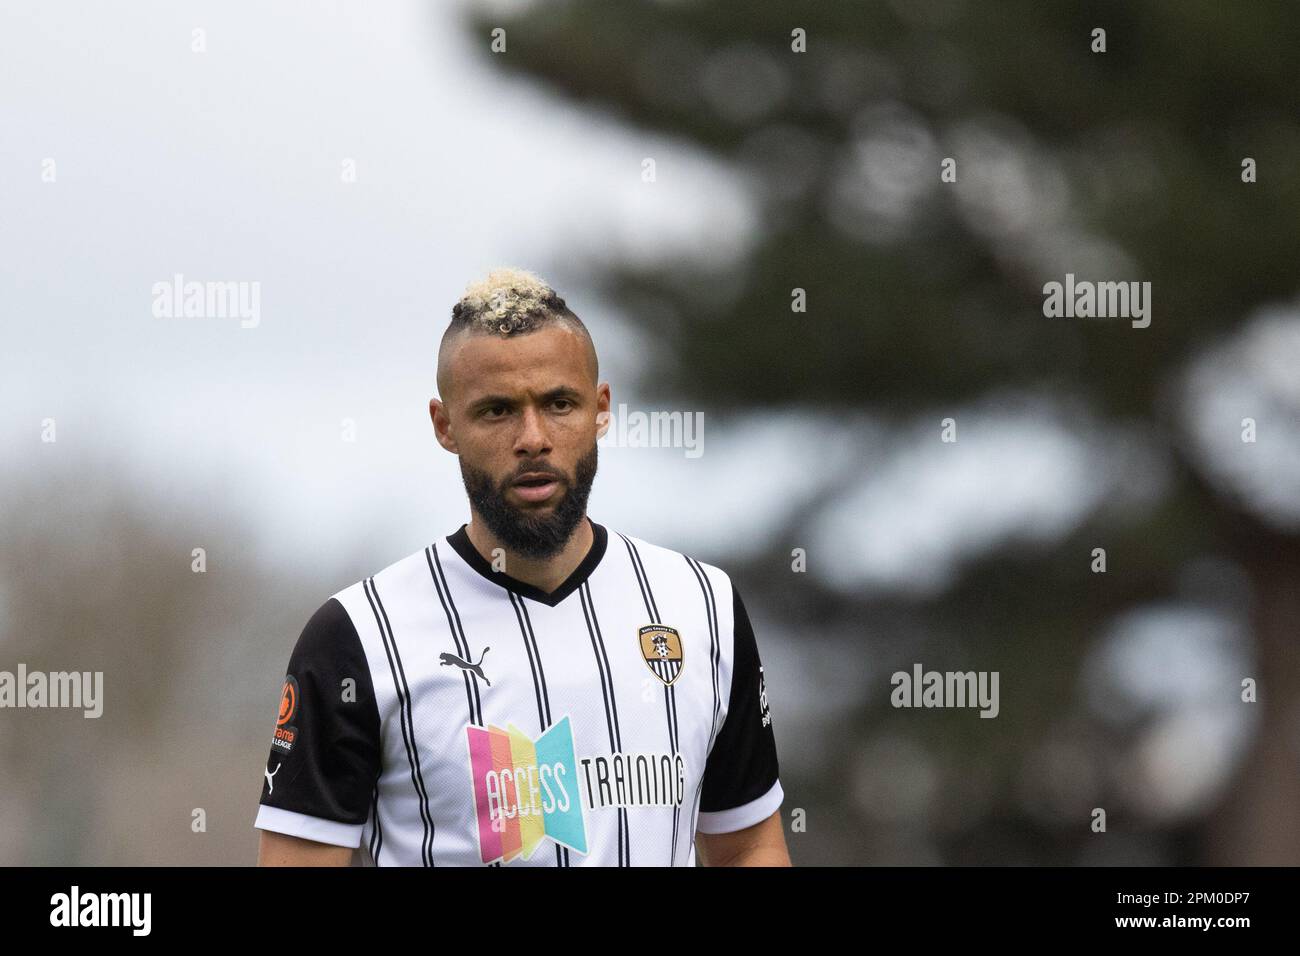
{"type": "Point", "coordinates": [544, 573]}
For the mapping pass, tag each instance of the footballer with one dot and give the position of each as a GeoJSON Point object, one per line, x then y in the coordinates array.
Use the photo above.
{"type": "Point", "coordinates": [534, 689]}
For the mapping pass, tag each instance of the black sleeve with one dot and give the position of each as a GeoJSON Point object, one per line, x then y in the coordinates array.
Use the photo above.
{"type": "Point", "coordinates": [742, 764]}
{"type": "Point", "coordinates": [325, 753]}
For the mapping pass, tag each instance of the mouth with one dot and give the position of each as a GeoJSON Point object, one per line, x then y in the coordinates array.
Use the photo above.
{"type": "Point", "coordinates": [535, 486]}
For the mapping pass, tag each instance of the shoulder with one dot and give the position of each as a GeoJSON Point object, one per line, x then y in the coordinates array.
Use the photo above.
{"type": "Point", "coordinates": [652, 558]}
{"type": "Point", "coordinates": [409, 571]}
{"type": "Point", "coordinates": [328, 636]}
{"type": "Point", "coordinates": [334, 624]}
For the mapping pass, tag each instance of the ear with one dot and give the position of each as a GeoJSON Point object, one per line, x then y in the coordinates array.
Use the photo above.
{"type": "Point", "coordinates": [442, 426]}
{"type": "Point", "coordinates": [602, 409]}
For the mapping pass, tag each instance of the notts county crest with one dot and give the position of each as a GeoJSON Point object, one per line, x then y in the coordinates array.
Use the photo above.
{"type": "Point", "coordinates": [661, 646]}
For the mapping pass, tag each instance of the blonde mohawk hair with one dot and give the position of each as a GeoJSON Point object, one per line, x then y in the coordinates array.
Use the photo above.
{"type": "Point", "coordinates": [508, 301]}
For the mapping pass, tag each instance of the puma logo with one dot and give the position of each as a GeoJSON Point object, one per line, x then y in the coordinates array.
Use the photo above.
{"type": "Point", "coordinates": [269, 774]}
{"type": "Point", "coordinates": [477, 667]}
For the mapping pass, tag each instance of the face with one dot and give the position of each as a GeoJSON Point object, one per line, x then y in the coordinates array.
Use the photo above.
{"type": "Point", "coordinates": [523, 413]}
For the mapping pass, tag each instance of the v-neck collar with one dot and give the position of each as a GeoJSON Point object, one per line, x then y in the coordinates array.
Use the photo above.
{"type": "Point", "coordinates": [461, 544]}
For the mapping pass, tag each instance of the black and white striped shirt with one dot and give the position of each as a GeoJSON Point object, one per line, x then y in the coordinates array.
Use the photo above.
{"type": "Point", "coordinates": [443, 713]}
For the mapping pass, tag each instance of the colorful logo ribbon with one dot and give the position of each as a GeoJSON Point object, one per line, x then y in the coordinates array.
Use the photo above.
{"type": "Point", "coordinates": [525, 790]}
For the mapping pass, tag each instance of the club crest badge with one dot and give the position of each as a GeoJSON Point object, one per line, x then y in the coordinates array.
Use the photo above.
{"type": "Point", "coordinates": [661, 646]}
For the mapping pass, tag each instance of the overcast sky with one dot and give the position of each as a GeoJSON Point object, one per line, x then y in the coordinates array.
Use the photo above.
{"type": "Point", "coordinates": [228, 165]}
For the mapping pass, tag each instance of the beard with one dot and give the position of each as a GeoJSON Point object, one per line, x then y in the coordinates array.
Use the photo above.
{"type": "Point", "coordinates": [531, 535]}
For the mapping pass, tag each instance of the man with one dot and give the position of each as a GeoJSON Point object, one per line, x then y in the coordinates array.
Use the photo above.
{"type": "Point", "coordinates": [534, 689]}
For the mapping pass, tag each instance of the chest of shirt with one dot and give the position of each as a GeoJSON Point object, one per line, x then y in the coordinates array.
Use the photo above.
{"type": "Point", "coordinates": [625, 683]}
{"type": "Point", "coordinates": [507, 716]}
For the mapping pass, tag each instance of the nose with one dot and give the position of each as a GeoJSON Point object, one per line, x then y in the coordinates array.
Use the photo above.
{"type": "Point", "coordinates": [532, 439]}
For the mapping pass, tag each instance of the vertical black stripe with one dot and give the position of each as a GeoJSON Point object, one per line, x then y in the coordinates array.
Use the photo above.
{"type": "Point", "coordinates": [647, 594]}
{"type": "Point", "coordinates": [443, 587]}
{"type": "Point", "coordinates": [611, 707]}
{"type": "Point", "coordinates": [460, 651]}
{"type": "Point", "coordinates": [407, 721]}
{"type": "Point", "coordinates": [600, 669]}
{"type": "Point", "coordinates": [539, 685]}
{"type": "Point", "coordinates": [457, 634]}
{"type": "Point", "coordinates": [541, 673]}
{"type": "Point", "coordinates": [715, 650]}
{"type": "Point", "coordinates": [532, 661]}
{"type": "Point", "coordinates": [478, 703]}
{"type": "Point", "coordinates": [715, 646]}
{"type": "Point", "coordinates": [377, 834]}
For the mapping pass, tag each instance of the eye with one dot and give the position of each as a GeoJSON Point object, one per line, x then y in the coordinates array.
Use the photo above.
{"type": "Point", "coordinates": [562, 404]}
{"type": "Point", "coordinates": [495, 411]}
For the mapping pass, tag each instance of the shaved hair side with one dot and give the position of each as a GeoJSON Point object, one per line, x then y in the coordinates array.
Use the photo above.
{"type": "Point", "coordinates": [507, 302]}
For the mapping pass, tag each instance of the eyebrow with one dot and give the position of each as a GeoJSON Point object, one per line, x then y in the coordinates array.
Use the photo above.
{"type": "Point", "coordinates": [488, 401]}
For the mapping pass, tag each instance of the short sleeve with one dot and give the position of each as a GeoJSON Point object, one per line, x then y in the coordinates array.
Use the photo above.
{"type": "Point", "coordinates": [741, 778]}
{"type": "Point", "coordinates": [325, 751]}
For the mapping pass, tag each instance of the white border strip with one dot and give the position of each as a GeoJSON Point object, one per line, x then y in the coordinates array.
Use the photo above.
{"type": "Point", "coordinates": [737, 818]}
{"type": "Point", "coordinates": [309, 828]}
